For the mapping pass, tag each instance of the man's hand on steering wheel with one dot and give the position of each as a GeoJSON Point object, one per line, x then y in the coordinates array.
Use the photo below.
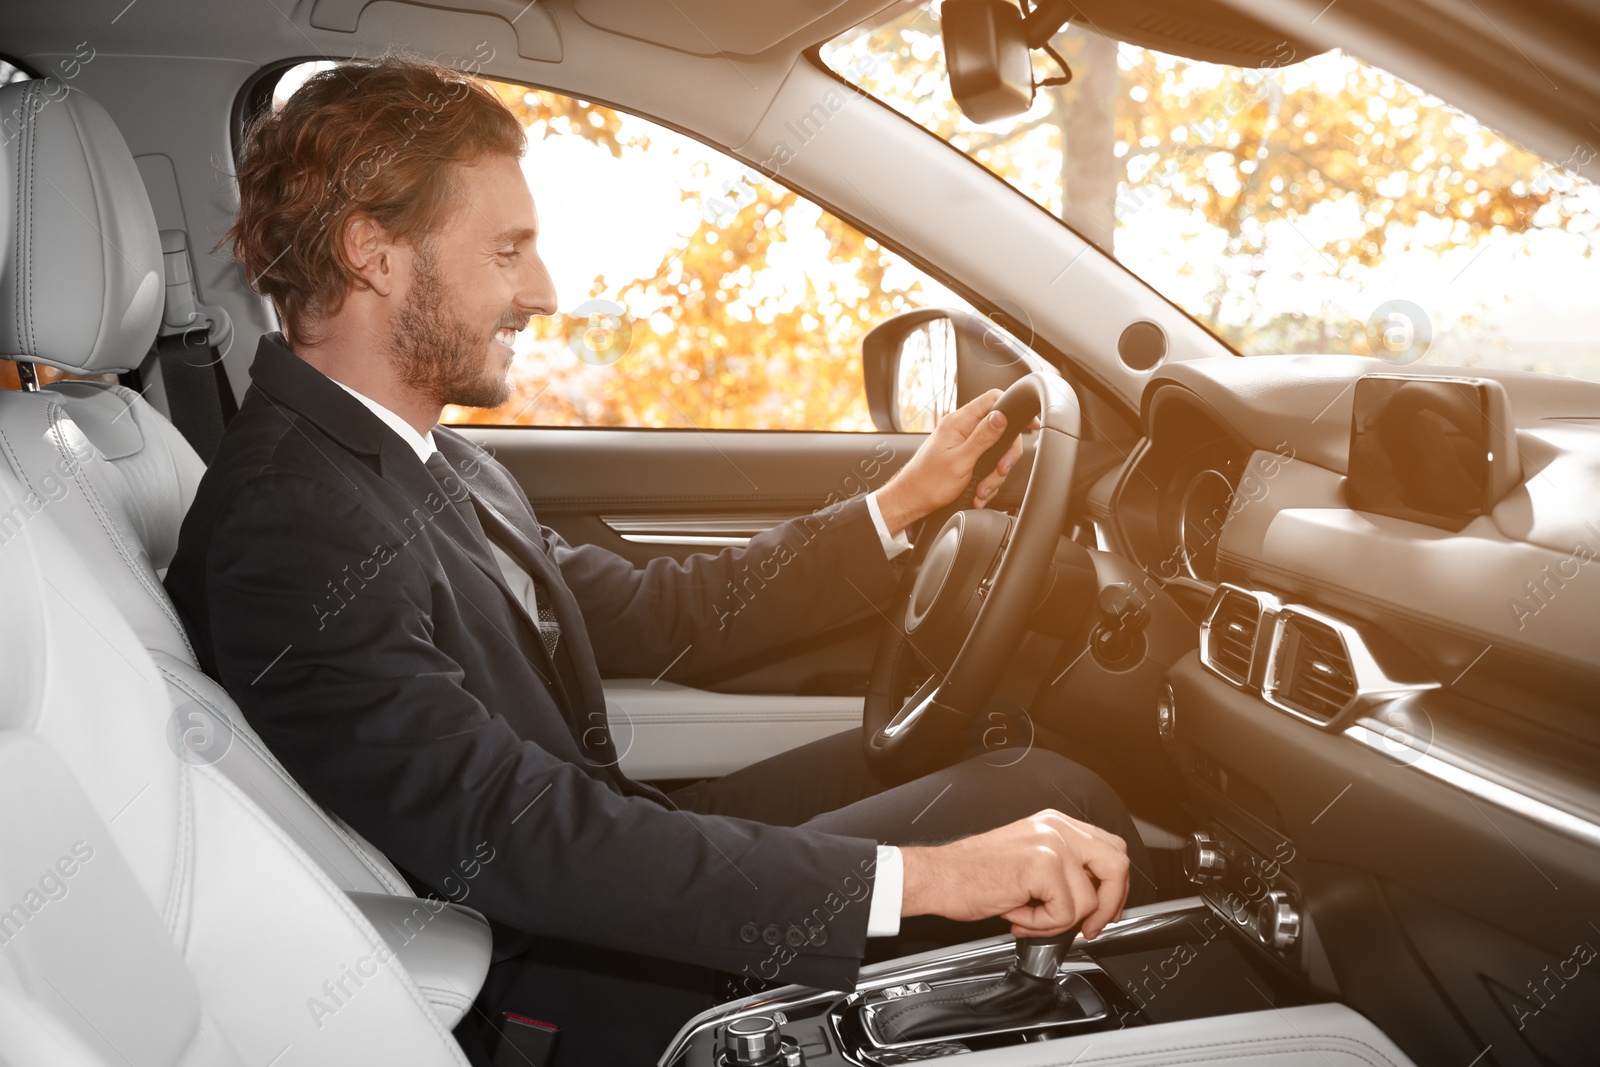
{"type": "Point", "coordinates": [941, 469]}
{"type": "Point", "coordinates": [981, 574]}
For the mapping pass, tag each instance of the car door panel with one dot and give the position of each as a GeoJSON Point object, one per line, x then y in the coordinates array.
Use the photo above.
{"type": "Point", "coordinates": [668, 731]}
{"type": "Point", "coordinates": [647, 492]}
{"type": "Point", "coordinates": [644, 493]}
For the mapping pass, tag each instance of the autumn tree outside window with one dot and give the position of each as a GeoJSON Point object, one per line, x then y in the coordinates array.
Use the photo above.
{"type": "Point", "coordinates": [1284, 207]}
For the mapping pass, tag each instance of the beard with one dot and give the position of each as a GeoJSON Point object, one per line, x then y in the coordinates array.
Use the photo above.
{"type": "Point", "coordinates": [439, 354]}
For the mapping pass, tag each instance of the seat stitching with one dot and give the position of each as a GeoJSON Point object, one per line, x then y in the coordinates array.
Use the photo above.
{"type": "Point", "coordinates": [25, 153]}
{"type": "Point", "coordinates": [340, 899]}
{"type": "Point", "coordinates": [265, 754]}
{"type": "Point", "coordinates": [56, 415]}
{"type": "Point", "coordinates": [177, 914]}
{"type": "Point", "coordinates": [453, 998]}
{"type": "Point", "coordinates": [888, 1017]}
{"type": "Point", "coordinates": [16, 218]}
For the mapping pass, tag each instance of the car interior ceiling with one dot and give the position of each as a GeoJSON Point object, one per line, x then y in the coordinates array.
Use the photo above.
{"type": "Point", "coordinates": [1369, 791]}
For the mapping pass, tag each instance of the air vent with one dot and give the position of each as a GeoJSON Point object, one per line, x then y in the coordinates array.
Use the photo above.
{"type": "Point", "coordinates": [1228, 636]}
{"type": "Point", "coordinates": [1309, 671]}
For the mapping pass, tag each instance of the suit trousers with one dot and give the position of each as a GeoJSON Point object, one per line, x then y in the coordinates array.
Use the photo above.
{"type": "Point", "coordinates": [615, 1008]}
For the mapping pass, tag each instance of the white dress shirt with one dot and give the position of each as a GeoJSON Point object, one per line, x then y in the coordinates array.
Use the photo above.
{"type": "Point", "coordinates": [888, 883]}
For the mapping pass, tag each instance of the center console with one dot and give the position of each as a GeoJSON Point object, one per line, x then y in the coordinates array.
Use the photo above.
{"type": "Point", "coordinates": [1149, 985]}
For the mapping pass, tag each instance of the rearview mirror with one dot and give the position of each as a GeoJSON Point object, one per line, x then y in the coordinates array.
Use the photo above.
{"type": "Point", "coordinates": [986, 56]}
{"type": "Point", "coordinates": [921, 365]}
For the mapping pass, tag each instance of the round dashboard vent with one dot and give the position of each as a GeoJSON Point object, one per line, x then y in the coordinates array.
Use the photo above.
{"type": "Point", "coordinates": [1142, 345]}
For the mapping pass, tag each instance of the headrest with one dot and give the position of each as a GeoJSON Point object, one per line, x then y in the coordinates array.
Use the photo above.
{"type": "Point", "coordinates": [80, 256]}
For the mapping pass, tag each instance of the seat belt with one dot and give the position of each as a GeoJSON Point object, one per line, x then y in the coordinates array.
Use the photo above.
{"type": "Point", "coordinates": [188, 353]}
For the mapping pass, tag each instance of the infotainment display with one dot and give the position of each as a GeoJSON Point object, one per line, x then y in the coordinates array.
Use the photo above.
{"type": "Point", "coordinates": [1431, 449]}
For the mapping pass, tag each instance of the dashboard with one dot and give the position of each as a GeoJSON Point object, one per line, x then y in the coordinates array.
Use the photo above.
{"type": "Point", "coordinates": [1385, 734]}
{"type": "Point", "coordinates": [1241, 478]}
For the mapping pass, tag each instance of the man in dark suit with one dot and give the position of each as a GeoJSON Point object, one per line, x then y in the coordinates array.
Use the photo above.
{"type": "Point", "coordinates": [426, 658]}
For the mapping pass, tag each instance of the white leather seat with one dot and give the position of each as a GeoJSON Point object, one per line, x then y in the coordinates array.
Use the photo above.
{"type": "Point", "coordinates": [81, 289]}
{"type": "Point", "coordinates": [149, 912]}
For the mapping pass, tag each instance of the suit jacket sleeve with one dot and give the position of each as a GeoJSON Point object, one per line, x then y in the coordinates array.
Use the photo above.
{"type": "Point", "coordinates": [788, 582]}
{"type": "Point", "coordinates": [367, 712]}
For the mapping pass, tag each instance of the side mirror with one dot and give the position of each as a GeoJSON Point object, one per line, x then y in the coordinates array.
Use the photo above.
{"type": "Point", "coordinates": [987, 58]}
{"type": "Point", "coordinates": [921, 365]}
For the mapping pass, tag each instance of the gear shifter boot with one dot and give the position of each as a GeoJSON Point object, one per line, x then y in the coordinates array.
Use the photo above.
{"type": "Point", "coordinates": [1025, 997]}
{"type": "Point", "coordinates": [1017, 1000]}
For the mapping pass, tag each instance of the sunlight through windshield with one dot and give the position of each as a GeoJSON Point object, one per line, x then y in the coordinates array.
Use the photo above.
{"type": "Point", "coordinates": [1316, 204]}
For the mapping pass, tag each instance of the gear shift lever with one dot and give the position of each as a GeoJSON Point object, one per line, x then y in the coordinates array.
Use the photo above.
{"type": "Point", "coordinates": [1038, 957]}
{"type": "Point", "coordinates": [1026, 995]}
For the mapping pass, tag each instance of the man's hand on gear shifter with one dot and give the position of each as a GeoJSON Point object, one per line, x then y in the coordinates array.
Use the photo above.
{"type": "Point", "coordinates": [1043, 874]}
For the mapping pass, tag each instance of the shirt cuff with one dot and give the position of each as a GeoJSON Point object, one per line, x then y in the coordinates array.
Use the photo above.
{"type": "Point", "coordinates": [892, 546]}
{"type": "Point", "coordinates": [888, 892]}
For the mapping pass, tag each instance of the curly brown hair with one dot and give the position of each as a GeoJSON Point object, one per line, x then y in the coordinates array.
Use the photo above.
{"type": "Point", "coordinates": [374, 138]}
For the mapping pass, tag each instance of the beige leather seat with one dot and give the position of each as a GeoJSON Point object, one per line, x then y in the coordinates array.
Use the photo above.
{"type": "Point", "coordinates": [81, 289]}
{"type": "Point", "coordinates": [150, 913]}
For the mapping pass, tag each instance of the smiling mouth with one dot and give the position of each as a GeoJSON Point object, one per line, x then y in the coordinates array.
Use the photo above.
{"type": "Point", "coordinates": [505, 335]}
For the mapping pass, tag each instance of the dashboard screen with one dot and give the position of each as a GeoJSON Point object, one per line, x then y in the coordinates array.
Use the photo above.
{"type": "Point", "coordinates": [1433, 450]}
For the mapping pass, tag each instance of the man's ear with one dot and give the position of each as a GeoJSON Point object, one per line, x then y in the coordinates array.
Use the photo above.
{"type": "Point", "coordinates": [372, 254]}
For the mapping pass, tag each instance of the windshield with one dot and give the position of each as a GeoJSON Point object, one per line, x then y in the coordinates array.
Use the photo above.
{"type": "Point", "coordinates": [1317, 204]}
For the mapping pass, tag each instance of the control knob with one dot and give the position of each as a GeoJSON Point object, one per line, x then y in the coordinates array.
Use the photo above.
{"type": "Point", "coordinates": [753, 1041]}
{"type": "Point", "coordinates": [1203, 860]}
{"type": "Point", "coordinates": [1277, 920]}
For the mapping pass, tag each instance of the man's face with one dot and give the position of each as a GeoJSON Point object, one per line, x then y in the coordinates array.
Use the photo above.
{"type": "Point", "coordinates": [472, 286]}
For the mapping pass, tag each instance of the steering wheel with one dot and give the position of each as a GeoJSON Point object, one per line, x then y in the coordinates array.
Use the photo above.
{"type": "Point", "coordinates": [982, 576]}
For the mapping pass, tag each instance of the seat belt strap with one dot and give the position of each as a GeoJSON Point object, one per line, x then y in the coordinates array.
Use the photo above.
{"type": "Point", "coordinates": [189, 349]}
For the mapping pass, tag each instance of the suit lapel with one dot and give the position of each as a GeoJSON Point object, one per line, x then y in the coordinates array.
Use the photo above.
{"type": "Point", "coordinates": [400, 466]}
{"type": "Point", "coordinates": [507, 519]}
{"type": "Point", "coordinates": [419, 484]}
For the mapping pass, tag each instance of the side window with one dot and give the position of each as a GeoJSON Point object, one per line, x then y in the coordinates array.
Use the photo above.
{"type": "Point", "coordinates": [694, 291]}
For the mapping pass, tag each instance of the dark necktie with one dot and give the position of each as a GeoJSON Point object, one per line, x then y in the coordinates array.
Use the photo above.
{"type": "Point", "coordinates": [455, 490]}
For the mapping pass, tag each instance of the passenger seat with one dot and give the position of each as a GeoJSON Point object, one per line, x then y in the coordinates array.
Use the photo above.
{"type": "Point", "coordinates": [150, 914]}
{"type": "Point", "coordinates": [81, 288]}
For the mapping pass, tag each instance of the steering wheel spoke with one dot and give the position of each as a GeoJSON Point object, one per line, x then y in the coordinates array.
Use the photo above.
{"type": "Point", "coordinates": [913, 709]}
